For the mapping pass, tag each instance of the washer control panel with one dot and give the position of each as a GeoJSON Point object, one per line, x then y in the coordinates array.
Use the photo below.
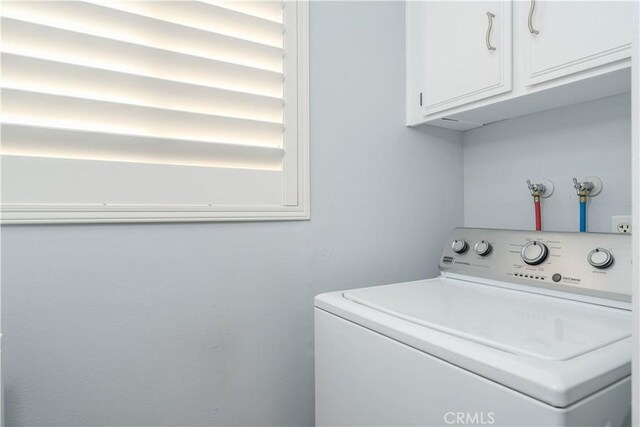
{"type": "Point", "coordinates": [595, 264]}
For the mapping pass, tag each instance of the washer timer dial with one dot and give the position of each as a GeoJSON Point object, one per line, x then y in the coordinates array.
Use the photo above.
{"type": "Point", "coordinates": [600, 258]}
{"type": "Point", "coordinates": [534, 253]}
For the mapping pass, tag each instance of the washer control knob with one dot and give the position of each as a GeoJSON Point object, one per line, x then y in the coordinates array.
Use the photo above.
{"type": "Point", "coordinates": [600, 258]}
{"type": "Point", "coordinates": [534, 253]}
{"type": "Point", "coordinates": [459, 246]}
{"type": "Point", "coordinates": [482, 248]}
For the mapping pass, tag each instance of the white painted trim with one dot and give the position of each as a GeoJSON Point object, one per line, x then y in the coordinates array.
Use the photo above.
{"type": "Point", "coordinates": [296, 188]}
{"type": "Point", "coordinates": [588, 85]}
{"type": "Point", "coordinates": [559, 70]}
{"type": "Point", "coordinates": [635, 207]}
{"type": "Point", "coordinates": [296, 199]}
{"type": "Point", "coordinates": [122, 216]}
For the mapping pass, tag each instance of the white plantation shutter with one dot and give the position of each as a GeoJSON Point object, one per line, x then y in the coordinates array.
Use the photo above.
{"type": "Point", "coordinates": [134, 110]}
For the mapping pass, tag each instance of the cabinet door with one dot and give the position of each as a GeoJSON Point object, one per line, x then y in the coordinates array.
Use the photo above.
{"type": "Point", "coordinates": [567, 37]}
{"type": "Point", "coordinates": [467, 53]}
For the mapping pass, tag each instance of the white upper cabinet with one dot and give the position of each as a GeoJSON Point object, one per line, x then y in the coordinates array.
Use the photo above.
{"type": "Point", "coordinates": [564, 38]}
{"type": "Point", "coordinates": [467, 52]}
{"type": "Point", "coordinates": [464, 71]}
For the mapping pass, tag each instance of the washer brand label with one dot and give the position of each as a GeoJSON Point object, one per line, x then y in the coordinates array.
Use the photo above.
{"type": "Point", "coordinates": [571, 280]}
{"type": "Point", "coordinates": [447, 259]}
{"type": "Point", "coordinates": [469, 418]}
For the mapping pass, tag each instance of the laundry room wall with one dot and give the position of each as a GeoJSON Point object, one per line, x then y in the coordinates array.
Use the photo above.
{"type": "Point", "coordinates": [581, 140]}
{"type": "Point", "coordinates": [211, 324]}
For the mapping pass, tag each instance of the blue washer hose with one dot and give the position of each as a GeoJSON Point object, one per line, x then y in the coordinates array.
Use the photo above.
{"type": "Point", "coordinates": [583, 214]}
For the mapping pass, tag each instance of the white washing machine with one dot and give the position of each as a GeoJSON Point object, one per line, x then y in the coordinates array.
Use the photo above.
{"type": "Point", "coordinates": [520, 329]}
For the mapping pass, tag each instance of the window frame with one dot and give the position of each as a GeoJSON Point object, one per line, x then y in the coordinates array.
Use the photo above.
{"type": "Point", "coordinates": [295, 173]}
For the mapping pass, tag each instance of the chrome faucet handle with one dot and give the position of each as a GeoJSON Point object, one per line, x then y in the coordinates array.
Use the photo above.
{"type": "Point", "coordinates": [536, 189]}
{"type": "Point", "coordinates": [582, 188]}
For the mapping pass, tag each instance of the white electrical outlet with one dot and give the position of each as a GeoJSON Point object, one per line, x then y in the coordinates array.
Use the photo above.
{"type": "Point", "coordinates": [621, 224]}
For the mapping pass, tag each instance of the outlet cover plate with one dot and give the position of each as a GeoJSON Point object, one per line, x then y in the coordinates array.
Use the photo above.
{"type": "Point", "coordinates": [621, 224]}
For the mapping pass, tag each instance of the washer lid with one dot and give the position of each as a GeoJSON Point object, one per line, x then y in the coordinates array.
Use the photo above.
{"type": "Point", "coordinates": [514, 321]}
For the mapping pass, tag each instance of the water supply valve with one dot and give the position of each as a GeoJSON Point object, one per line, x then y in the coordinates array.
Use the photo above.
{"type": "Point", "coordinates": [584, 188]}
{"type": "Point", "coordinates": [536, 190]}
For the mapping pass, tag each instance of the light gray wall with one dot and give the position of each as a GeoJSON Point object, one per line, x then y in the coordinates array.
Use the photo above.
{"type": "Point", "coordinates": [581, 140]}
{"type": "Point", "coordinates": [211, 324]}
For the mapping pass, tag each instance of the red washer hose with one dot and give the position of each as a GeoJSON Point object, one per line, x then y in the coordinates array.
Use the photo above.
{"type": "Point", "coordinates": [536, 204]}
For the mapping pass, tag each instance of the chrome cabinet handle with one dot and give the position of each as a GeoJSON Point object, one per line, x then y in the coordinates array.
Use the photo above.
{"type": "Point", "coordinates": [490, 17]}
{"type": "Point", "coordinates": [531, 10]}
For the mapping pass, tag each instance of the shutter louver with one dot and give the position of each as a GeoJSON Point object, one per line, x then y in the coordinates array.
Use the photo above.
{"type": "Point", "coordinates": [176, 83]}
